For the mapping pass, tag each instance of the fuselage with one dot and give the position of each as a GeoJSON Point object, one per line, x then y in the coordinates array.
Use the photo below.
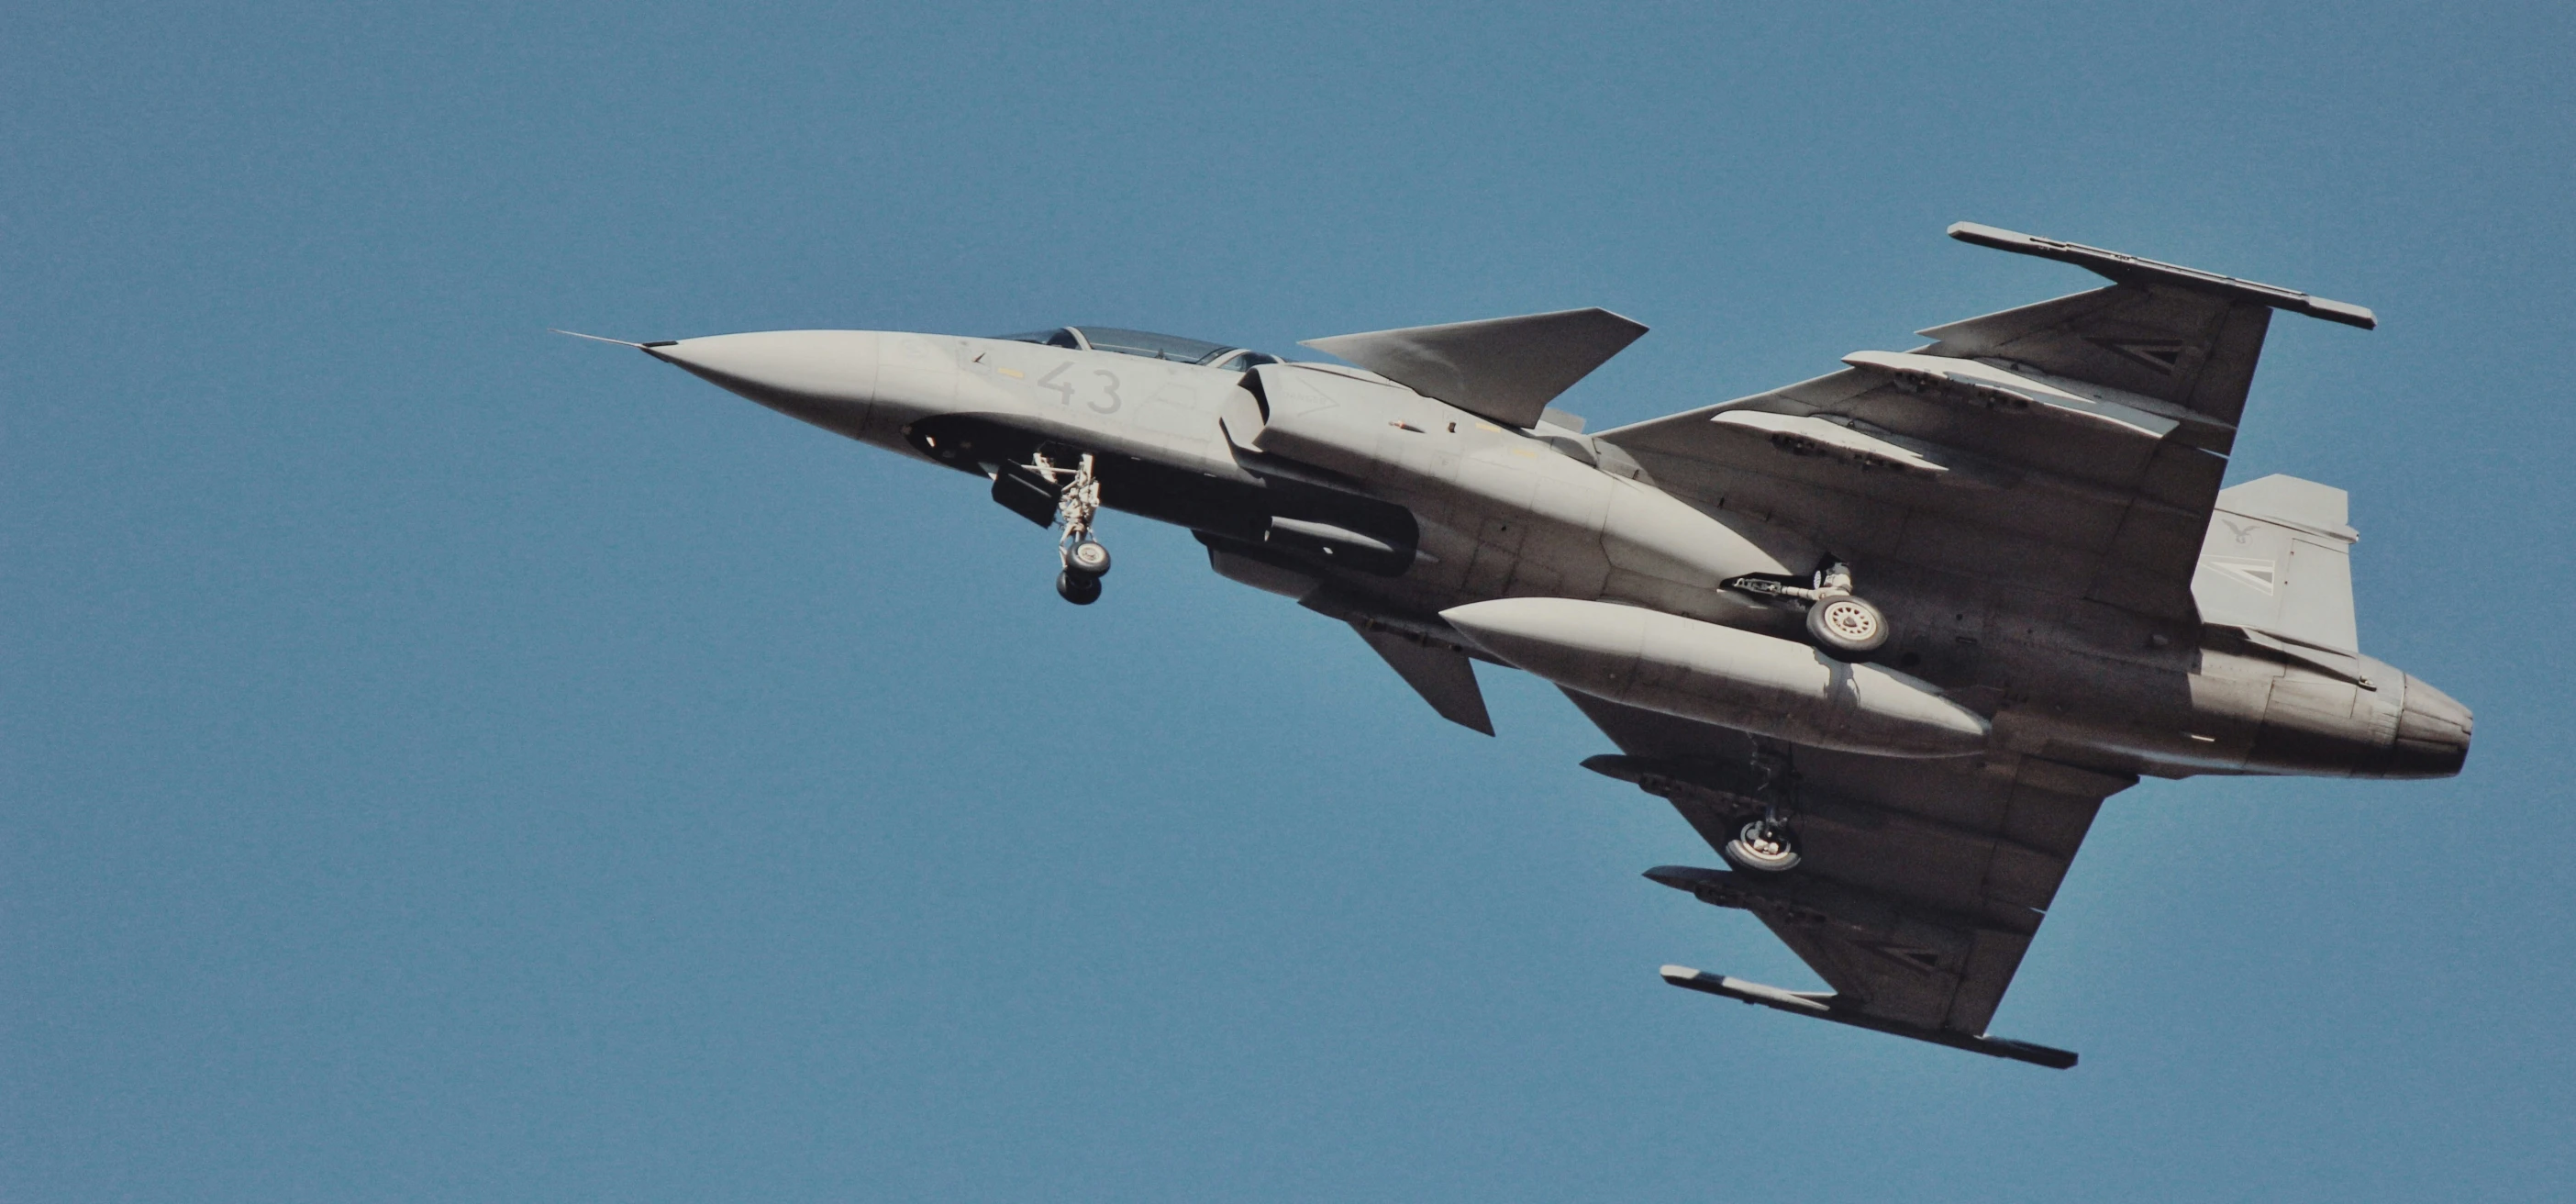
{"type": "Point", "coordinates": [1370, 502]}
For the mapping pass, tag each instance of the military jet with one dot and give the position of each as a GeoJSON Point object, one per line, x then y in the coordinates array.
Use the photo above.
{"type": "Point", "coordinates": [1885, 638]}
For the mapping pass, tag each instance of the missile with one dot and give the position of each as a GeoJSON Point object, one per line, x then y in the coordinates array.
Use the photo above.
{"type": "Point", "coordinates": [1740, 679]}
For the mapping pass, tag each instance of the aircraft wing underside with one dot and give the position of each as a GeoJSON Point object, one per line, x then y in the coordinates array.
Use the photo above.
{"type": "Point", "coordinates": [2073, 447]}
{"type": "Point", "coordinates": [1921, 882]}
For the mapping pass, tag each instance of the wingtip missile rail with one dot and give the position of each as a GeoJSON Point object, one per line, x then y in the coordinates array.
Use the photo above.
{"type": "Point", "coordinates": [1821, 1005]}
{"type": "Point", "coordinates": [2132, 269]}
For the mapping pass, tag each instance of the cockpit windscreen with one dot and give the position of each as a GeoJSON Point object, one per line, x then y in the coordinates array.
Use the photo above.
{"type": "Point", "coordinates": [1150, 345]}
{"type": "Point", "coordinates": [1169, 347]}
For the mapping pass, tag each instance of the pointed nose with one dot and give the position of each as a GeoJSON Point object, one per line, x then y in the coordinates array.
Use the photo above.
{"type": "Point", "coordinates": [826, 377]}
{"type": "Point", "coordinates": [2433, 734]}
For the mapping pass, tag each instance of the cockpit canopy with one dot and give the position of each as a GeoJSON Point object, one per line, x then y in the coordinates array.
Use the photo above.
{"type": "Point", "coordinates": [1169, 347]}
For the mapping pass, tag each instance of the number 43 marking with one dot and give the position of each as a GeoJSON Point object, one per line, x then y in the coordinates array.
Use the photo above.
{"type": "Point", "coordinates": [1109, 400]}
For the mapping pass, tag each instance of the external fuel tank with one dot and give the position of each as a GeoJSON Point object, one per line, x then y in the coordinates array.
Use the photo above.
{"type": "Point", "coordinates": [1763, 685]}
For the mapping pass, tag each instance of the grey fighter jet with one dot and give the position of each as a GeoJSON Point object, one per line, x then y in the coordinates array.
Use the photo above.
{"type": "Point", "coordinates": [1885, 638]}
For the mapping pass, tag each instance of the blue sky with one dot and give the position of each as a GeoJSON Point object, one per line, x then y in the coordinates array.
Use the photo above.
{"type": "Point", "coordinates": [441, 760]}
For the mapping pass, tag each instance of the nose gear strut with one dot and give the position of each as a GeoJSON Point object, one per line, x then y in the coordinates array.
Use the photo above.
{"type": "Point", "coordinates": [1077, 500]}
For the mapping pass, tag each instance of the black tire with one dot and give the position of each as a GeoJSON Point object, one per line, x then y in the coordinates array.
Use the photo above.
{"type": "Point", "coordinates": [1847, 627]}
{"type": "Point", "coordinates": [1763, 847]}
{"type": "Point", "coordinates": [1087, 557]}
{"type": "Point", "coordinates": [1081, 589]}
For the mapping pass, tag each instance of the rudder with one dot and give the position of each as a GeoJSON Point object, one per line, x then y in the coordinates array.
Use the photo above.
{"type": "Point", "coordinates": [2277, 559]}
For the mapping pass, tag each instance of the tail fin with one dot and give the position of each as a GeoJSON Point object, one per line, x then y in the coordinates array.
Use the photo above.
{"type": "Point", "coordinates": [2278, 560]}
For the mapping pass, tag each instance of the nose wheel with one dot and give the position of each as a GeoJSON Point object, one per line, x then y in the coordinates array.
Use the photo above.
{"type": "Point", "coordinates": [1081, 589]}
{"type": "Point", "coordinates": [1087, 557]}
{"type": "Point", "coordinates": [1076, 502]}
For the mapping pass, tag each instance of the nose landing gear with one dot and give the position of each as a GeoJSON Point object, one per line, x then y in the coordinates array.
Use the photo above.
{"type": "Point", "coordinates": [1085, 555]}
{"type": "Point", "coordinates": [1081, 589]}
{"type": "Point", "coordinates": [1076, 502]}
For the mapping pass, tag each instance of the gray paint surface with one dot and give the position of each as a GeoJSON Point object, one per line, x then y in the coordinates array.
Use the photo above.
{"type": "Point", "coordinates": [2032, 500]}
{"type": "Point", "coordinates": [444, 764]}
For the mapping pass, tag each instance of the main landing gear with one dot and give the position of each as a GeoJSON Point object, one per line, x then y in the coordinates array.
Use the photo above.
{"type": "Point", "coordinates": [1076, 501]}
{"type": "Point", "coordinates": [1765, 843]}
{"type": "Point", "coordinates": [1840, 622]}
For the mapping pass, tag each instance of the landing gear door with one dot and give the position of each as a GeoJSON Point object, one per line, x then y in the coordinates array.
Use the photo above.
{"type": "Point", "coordinates": [1022, 493]}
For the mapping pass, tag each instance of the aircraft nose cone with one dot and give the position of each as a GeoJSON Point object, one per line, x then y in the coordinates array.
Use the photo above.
{"type": "Point", "coordinates": [826, 377]}
{"type": "Point", "coordinates": [2432, 734]}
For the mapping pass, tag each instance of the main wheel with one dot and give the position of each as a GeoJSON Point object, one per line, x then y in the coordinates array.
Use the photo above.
{"type": "Point", "coordinates": [1081, 589]}
{"type": "Point", "coordinates": [1763, 846]}
{"type": "Point", "coordinates": [1847, 626]}
{"type": "Point", "coordinates": [1087, 557]}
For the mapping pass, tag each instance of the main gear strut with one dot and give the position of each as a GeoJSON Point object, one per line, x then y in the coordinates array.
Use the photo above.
{"type": "Point", "coordinates": [1766, 843]}
{"type": "Point", "coordinates": [1842, 622]}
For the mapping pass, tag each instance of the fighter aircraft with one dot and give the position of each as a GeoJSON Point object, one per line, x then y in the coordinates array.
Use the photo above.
{"type": "Point", "coordinates": [1885, 638]}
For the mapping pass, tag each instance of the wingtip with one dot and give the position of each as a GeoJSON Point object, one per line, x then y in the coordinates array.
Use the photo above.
{"type": "Point", "coordinates": [2132, 269]}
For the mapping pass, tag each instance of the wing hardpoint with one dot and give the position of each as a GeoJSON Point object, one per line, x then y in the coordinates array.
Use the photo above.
{"type": "Point", "coordinates": [2072, 448]}
{"type": "Point", "coordinates": [1921, 882]}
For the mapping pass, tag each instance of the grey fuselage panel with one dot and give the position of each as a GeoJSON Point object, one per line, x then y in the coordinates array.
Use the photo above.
{"type": "Point", "coordinates": [2031, 504]}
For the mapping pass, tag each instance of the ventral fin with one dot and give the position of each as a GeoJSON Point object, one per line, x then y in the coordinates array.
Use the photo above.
{"type": "Point", "coordinates": [1443, 676]}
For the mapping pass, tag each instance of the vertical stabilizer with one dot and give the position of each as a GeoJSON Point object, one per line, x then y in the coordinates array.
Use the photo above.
{"type": "Point", "coordinates": [2277, 559]}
